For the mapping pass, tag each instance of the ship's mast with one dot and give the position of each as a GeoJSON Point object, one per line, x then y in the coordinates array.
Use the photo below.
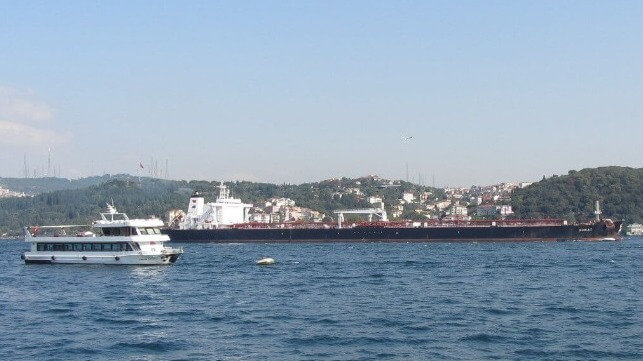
{"type": "Point", "coordinates": [597, 211]}
{"type": "Point", "coordinates": [224, 192]}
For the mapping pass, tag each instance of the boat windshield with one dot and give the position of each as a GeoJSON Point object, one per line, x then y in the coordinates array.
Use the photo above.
{"type": "Point", "coordinates": [118, 231]}
{"type": "Point", "coordinates": [149, 230]}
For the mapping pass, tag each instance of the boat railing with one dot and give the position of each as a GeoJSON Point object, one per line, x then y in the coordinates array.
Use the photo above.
{"type": "Point", "coordinates": [172, 250]}
{"type": "Point", "coordinates": [68, 230]}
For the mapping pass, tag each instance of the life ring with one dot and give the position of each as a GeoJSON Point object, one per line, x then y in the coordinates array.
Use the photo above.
{"type": "Point", "coordinates": [84, 258]}
{"type": "Point", "coordinates": [53, 258]}
{"type": "Point", "coordinates": [117, 258]}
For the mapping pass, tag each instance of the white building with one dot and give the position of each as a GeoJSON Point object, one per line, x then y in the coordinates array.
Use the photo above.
{"type": "Point", "coordinates": [442, 205]}
{"type": "Point", "coordinates": [280, 202]}
{"type": "Point", "coordinates": [505, 210]}
{"type": "Point", "coordinates": [5, 193]}
{"type": "Point", "coordinates": [492, 210]}
{"type": "Point", "coordinates": [634, 229]}
{"type": "Point", "coordinates": [457, 210]}
{"type": "Point", "coordinates": [373, 200]}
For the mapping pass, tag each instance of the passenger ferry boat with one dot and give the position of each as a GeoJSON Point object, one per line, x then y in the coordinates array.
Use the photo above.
{"type": "Point", "coordinates": [114, 239]}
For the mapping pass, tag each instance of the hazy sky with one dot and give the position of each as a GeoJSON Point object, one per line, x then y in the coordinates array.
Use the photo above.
{"type": "Point", "coordinates": [297, 91]}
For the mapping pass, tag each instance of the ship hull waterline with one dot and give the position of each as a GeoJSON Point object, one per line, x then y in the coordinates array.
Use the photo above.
{"type": "Point", "coordinates": [595, 232]}
{"type": "Point", "coordinates": [116, 259]}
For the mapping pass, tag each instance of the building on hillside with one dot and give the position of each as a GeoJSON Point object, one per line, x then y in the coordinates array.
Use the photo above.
{"type": "Point", "coordinates": [426, 197]}
{"type": "Point", "coordinates": [634, 229]}
{"type": "Point", "coordinates": [373, 200]}
{"type": "Point", "coordinates": [486, 211]}
{"type": "Point", "coordinates": [408, 197]}
{"type": "Point", "coordinates": [493, 210]}
{"type": "Point", "coordinates": [505, 210]}
{"type": "Point", "coordinates": [280, 202]}
{"type": "Point", "coordinates": [457, 210]}
{"type": "Point", "coordinates": [476, 200]}
{"type": "Point", "coordinates": [6, 193]}
{"type": "Point", "coordinates": [440, 206]}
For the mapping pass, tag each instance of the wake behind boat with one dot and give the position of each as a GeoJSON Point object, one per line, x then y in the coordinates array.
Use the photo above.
{"type": "Point", "coordinates": [114, 239]}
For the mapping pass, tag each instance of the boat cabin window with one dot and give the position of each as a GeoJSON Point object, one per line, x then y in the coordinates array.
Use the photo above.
{"type": "Point", "coordinates": [86, 247]}
{"type": "Point", "coordinates": [118, 231]}
{"type": "Point", "coordinates": [148, 230]}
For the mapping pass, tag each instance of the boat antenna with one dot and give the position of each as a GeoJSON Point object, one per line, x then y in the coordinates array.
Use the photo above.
{"type": "Point", "coordinates": [111, 208]}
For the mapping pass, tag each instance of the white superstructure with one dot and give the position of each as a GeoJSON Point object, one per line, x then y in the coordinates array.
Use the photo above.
{"type": "Point", "coordinates": [114, 239]}
{"type": "Point", "coordinates": [223, 213]}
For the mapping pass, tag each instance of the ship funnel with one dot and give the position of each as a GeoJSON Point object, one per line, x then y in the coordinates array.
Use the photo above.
{"type": "Point", "coordinates": [195, 207]}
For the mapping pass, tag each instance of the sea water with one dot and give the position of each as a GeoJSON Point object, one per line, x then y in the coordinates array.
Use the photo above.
{"type": "Point", "coordinates": [366, 301]}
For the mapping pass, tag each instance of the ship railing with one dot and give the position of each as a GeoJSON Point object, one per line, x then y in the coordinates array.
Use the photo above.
{"type": "Point", "coordinates": [406, 224]}
{"type": "Point", "coordinates": [497, 223]}
{"type": "Point", "coordinates": [285, 225]}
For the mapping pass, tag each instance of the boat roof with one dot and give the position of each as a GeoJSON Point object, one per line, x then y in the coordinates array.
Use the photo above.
{"type": "Point", "coordinates": [114, 218]}
{"type": "Point", "coordinates": [153, 222]}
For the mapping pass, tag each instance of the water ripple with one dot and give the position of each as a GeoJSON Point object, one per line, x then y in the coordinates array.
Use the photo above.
{"type": "Point", "coordinates": [370, 301]}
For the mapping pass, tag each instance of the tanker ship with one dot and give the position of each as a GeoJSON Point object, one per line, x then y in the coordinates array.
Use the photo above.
{"type": "Point", "coordinates": [226, 221]}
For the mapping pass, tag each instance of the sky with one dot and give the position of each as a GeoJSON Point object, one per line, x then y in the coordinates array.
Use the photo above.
{"type": "Point", "coordinates": [302, 91]}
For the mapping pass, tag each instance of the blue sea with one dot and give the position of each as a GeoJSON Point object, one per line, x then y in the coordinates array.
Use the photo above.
{"type": "Point", "coordinates": [367, 301]}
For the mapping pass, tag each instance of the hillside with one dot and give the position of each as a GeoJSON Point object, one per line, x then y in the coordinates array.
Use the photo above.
{"type": "Point", "coordinates": [81, 206]}
{"type": "Point", "coordinates": [154, 197]}
{"type": "Point", "coordinates": [619, 190]}
{"type": "Point", "coordinates": [33, 186]}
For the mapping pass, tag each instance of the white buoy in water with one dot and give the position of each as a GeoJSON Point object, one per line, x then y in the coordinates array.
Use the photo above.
{"type": "Point", "coordinates": [266, 261]}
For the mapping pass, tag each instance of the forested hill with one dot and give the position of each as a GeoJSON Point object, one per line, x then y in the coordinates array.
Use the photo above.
{"type": "Point", "coordinates": [148, 196]}
{"type": "Point", "coordinates": [82, 206]}
{"type": "Point", "coordinates": [619, 190]}
{"type": "Point", "coordinates": [33, 186]}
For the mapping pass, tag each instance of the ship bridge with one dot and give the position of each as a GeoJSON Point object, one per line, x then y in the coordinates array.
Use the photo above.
{"type": "Point", "coordinates": [370, 211]}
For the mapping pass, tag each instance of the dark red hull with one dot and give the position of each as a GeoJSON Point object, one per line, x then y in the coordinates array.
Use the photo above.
{"type": "Point", "coordinates": [453, 233]}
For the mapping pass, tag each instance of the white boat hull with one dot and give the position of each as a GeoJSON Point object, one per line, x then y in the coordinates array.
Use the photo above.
{"type": "Point", "coordinates": [102, 258]}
